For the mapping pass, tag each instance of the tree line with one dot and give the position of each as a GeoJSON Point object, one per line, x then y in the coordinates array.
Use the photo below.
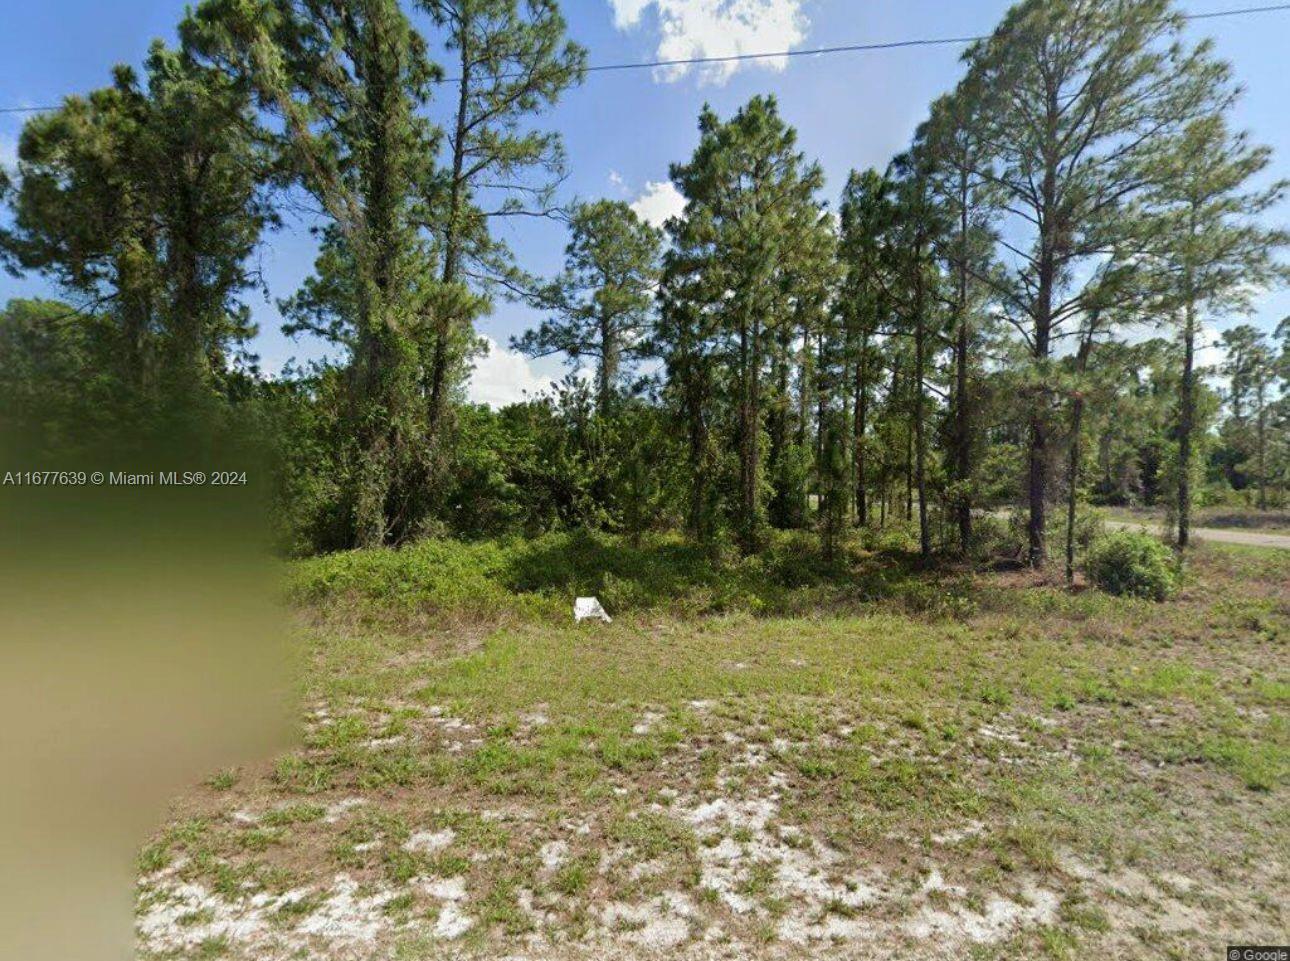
{"type": "Point", "coordinates": [1009, 313]}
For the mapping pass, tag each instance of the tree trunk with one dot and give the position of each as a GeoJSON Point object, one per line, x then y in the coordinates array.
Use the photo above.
{"type": "Point", "coordinates": [962, 410]}
{"type": "Point", "coordinates": [752, 495]}
{"type": "Point", "coordinates": [747, 436]}
{"type": "Point", "coordinates": [381, 389]}
{"type": "Point", "coordinates": [1186, 422]}
{"type": "Point", "coordinates": [1072, 485]}
{"type": "Point", "coordinates": [1037, 481]}
{"type": "Point", "coordinates": [136, 321]}
{"type": "Point", "coordinates": [963, 439]}
{"type": "Point", "coordinates": [444, 321]}
{"type": "Point", "coordinates": [1073, 462]}
{"type": "Point", "coordinates": [862, 411]}
{"type": "Point", "coordinates": [698, 487]}
{"type": "Point", "coordinates": [805, 376]}
{"type": "Point", "coordinates": [697, 521]}
{"type": "Point", "coordinates": [844, 440]}
{"type": "Point", "coordinates": [909, 476]}
{"type": "Point", "coordinates": [608, 371]}
{"type": "Point", "coordinates": [1261, 433]}
{"type": "Point", "coordinates": [920, 442]}
{"type": "Point", "coordinates": [819, 413]}
{"type": "Point", "coordinates": [188, 362]}
{"type": "Point", "coordinates": [1037, 491]}
{"type": "Point", "coordinates": [783, 500]}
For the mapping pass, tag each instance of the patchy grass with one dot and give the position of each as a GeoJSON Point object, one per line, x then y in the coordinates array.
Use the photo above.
{"type": "Point", "coordinates": [1272, 521]}
{"type": "Point", "coordinates": [1220, 518]}
{"type": "Point", "coordinates": [757, 758]}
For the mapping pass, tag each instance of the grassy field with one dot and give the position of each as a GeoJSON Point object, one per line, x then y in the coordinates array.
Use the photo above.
{"type": "Point", "coordinates": [766, 759]}
{"type": "Point", "coordinates": [1219, 518]}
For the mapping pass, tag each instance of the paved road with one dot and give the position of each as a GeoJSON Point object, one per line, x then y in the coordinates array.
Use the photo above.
{"type": "Point", "coordinates": [1217, 534]}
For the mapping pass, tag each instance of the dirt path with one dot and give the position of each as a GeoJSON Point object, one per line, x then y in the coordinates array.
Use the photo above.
{"type": "Point", "coordinates": [1218, 535]}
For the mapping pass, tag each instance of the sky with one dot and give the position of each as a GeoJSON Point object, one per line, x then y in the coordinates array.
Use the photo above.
{"type": "Point", "coordinates": [622, 129]}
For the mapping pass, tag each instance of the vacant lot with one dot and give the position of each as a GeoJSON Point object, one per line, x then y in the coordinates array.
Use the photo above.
{"type": "Point", "coordinates": [775, 761]}
{"type": "Point", "coordinates": [1275, 522]}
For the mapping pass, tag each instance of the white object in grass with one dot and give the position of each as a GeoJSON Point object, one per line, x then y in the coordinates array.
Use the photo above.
{"type": "Point", "coordinates": [588, 608]}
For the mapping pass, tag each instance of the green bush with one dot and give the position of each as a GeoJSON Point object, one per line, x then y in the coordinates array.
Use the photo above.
{"type": "Point", "coordinates": [540, 576]}
{"type": "Point", "coordinates": [1133, 564]}
{"type": "Point", "coordinates": [994, 537]}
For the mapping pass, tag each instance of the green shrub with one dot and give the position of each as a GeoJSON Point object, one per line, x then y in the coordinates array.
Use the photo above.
{"type": "Point", "coordinates": [539, 577]}
{"type": "Point", "coordinates": [1090, 525]}
{"type": "Point", "coordinates": [1133, 564]}
{"type": "Point", "coordinates": [994, 537]}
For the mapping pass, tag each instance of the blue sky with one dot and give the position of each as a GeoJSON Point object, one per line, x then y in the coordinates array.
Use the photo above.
{"type": "Point", "coordinates": [622, 129]}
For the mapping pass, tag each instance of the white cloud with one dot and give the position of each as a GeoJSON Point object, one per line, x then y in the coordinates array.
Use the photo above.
{"type": "Point", "coordinates": [659, 200]}
{"type": "Point", "coordinates": [616, 180]}
{"type": "Point", "coordinates": [717, 28]}
{"type": "Point", "coordinates": [627, 13]}
{"type": "Point", "coordinates": [503, 377]}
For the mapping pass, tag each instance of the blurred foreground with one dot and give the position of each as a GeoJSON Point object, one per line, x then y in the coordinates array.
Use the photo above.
{"type": "Point", "coordinates": [139, 648]}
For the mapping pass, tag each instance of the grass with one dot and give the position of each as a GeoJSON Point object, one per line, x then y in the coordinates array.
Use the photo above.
{"type": "Point", "coordinates": [536, 579]}
{"type": "Point", "coordinates": [1271, 521]}
{"type": "Point", "coordinates": [1274, 521]}
{"type": "Point", "coordinates": [774, 747]}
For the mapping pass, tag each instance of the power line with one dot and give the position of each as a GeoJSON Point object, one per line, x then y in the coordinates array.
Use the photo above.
{"type": "Point", "coordinates": [813, 52]}
{"type": "Point", "coordinates": [866, 47]}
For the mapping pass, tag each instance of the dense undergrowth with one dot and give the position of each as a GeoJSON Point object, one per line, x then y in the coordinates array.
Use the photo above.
{"type": "Point", "coordinates": [538, 577]}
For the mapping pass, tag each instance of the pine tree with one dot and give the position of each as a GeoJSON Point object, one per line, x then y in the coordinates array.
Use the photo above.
{"type": "Point", "coordinates": [960, 181]}
{"type": "Point", "coordinates": [511, 62]}
{"type": "Point", "coordinates": [603, 301]}
{"type": "Point", "coordinates": [1251, 369]}
{"type": "Point", "coordinates": [1210, 249]}
{"type": "Point", "coordinates": [909, 283]}
{"type": "Point", "coordinates": [346, 81]}
{"type": "Point", "coordinates": [751, 220]}
{"type": "Point", "coordinates": [862, 306]}
{"type": "Point", "coordinates": [146, 201]}
{"type": "Point", "coordinates": [1077, 97]}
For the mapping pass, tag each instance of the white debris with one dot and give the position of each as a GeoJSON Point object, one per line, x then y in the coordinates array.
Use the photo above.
{"type": "Point", "coordinates": [452, 922]}
{"type": "Point", "coordinates": [447, 889]}
{"type": "Point", "coordinates": [958, 835]}
{"type": "Point", "coordinates": [191, 913]}
{"type": "Point", "coordinates": [657, 925]}
{"type": "Point", "coordinates": [589, 609]}
{"type": "Point", "coordinates": [647, 722]}
{"type": "Point", "coordinates": [553, 854]}
{"type": "Point", "coordinates": [428, 842]}
{"type": "Point", "coordinates": [342, 807]}
{"type": "Point", "coordinates": [347, 915]}
{"type": "Point", "coordinates": [1000, 918]}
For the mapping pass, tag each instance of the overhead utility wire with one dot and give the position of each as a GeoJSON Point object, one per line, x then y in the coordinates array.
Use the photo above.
{"type": "Point", "coordinates": [813, 52]}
